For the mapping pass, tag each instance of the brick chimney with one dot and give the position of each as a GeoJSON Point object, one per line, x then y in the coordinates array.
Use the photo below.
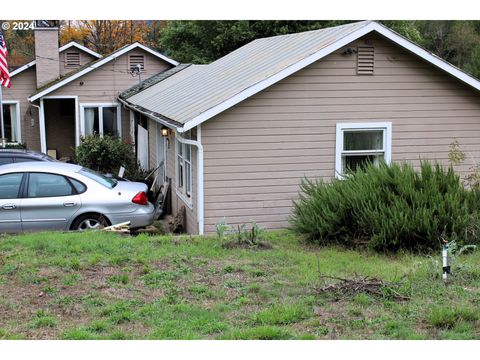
{"type": "Point", "coordinates": [46, 51]}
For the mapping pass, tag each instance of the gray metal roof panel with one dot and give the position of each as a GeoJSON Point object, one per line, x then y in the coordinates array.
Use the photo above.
{"type": "Point", "coordinates": [196, 89]}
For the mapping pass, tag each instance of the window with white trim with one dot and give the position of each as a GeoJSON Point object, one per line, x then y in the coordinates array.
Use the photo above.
{"type": "Point", "coordinates": [101, 120]}
{"type": "Point", "coordinates": [11, 122]}
{"type": "Point", "coordinates": [361, 143]}
{"type": "Point", "coordinates": [184, 167]}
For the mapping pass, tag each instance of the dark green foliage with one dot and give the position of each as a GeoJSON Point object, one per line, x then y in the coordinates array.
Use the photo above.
{"type": "Point", "coordinates": [204, 41]}
{"type": "Point", "coordinates": [16, 146]}
{"type": "Point", "coordinates": [390, 207]}
{"type": "Point", "coordinates": [107, 154]}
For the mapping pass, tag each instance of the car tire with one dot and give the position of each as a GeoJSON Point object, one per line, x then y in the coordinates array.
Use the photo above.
{"type": "Point", "coordinates": [89, 222]}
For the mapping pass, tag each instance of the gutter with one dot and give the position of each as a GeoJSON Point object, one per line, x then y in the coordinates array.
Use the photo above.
{"type": "Point", "coordinates": [164, 121]}
{"type": "Point", "coordinates": [200, 176]}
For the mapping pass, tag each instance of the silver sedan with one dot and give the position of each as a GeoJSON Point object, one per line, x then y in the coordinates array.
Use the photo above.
{"type": "Point", "coordinates": [57, 196]}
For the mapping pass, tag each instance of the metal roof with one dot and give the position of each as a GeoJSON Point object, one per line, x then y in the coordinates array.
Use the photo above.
{"type": "Point", "coordinates": [155, 79]}
{"type": "Point", "coordinates": [184, 97]}
{"type": "Point", "coordinates": [196, 93]}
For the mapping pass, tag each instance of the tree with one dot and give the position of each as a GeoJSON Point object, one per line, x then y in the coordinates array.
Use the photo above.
{"type": "Point", "coordinates": [203, 41]}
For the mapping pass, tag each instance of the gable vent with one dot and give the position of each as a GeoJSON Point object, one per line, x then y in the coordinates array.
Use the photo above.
{"type": "Point", "coordinates": [365, 60]}
{"type": "Point", "coordinates": [135, 60]}
{"type": "Point", "coordinates": [72, 59]}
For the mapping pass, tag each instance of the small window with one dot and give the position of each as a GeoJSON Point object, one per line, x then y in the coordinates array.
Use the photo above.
{"type": "Point", "coordinates": [134, 60]}
{"type": "Point", "coordinates": [48, 185]}
{"type": "Point", "coordinates": [184, 167]}
{"type": "Point", "coordinates": [79, 187]}
{"type": "Point", "coordinates": [10, 185]}
{"type": "Point", "coordinates": [99, 178]}
{"type": "Point", "coordinates": [360, 144]}
{"type": "Point", "coordinates": [72, 59]}
{"type": "Point", "coordinates": [11, 125]}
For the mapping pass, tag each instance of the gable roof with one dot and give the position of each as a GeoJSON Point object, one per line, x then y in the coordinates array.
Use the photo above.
{"type": "Point", "coordinates": [80, 47]}
{"type": "Point", "coordinates": [260, 64]}
{"type": "Point", "coordinates": [94, 65]}
{"type": "Point", "coordinates": [63, 48]}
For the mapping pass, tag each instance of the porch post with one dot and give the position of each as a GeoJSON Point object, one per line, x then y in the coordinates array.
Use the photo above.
{"type": "Point", "coordinates": [43, 138]}
{"type": "Point", "coordinates": [2, 134]}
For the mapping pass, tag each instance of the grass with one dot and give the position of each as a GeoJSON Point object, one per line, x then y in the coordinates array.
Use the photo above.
{"type": "Point", "coordinates": [103, 286]}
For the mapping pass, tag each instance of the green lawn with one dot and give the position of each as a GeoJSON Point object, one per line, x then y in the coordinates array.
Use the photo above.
{"type": "Point", "coordinates": [102, 286]}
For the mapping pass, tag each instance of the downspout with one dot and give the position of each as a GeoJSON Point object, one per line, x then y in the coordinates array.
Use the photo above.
{"type": "Point", "coordinates": [200, 175]}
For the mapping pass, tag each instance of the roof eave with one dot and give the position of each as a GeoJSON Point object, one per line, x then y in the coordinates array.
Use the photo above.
{"type": "Point", "coordinates": [80, 47]}
{"type": "Point", "coordinates": [95, 65]}
{"type": "Point", "coordinates": [164, 120]}
{"type": "Point", "coordinates": [369, 27]}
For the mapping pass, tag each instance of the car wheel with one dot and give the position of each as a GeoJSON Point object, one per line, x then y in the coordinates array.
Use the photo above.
{"type": "Point", "coordinates": [89, 222]}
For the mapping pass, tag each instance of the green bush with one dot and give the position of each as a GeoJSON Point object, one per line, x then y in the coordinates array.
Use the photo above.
{"type": "Point", "coordinates": [390, 207]}
{"type": "Point", "coordinates": [106, 154]}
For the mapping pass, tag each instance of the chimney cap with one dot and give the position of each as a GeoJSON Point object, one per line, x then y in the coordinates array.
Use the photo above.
{"type": "Point", "coordinates": [46, 24]}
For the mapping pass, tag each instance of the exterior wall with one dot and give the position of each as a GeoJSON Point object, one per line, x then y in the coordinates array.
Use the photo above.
{"type": "Point", "coordinates": [103, 85]}
{"type": "Point", "coordinates": [23, 85]}
{"type": "Point", "coordinates": [85, 58]}
{"type": "Point", "coordinates": [177, 202]}
{"type": "Point", "coordinates": [257, 152]}
{"type": "Point", "coordinates": [46, 56]}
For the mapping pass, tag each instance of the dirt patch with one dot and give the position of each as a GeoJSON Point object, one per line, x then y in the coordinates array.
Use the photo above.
{"type": "Point", "coordinates": [244, 245]}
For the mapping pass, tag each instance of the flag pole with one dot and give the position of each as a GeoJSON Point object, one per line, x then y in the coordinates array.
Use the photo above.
{"type": "Point", "coordinates": [1, 117]}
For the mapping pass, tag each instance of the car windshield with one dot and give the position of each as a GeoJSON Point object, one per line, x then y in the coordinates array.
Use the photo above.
{"type": "Point", "coordinates": [101, 179]}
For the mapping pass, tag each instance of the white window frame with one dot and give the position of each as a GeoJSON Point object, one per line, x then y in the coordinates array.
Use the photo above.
{"type": "Point", "coordinates": [386, 127]}
{"type": "Point", "coordinates": [100, 107]}
{"type": "Point", "coordinates": [181, 191]}
{"type": "Point", "coordinates": [18, 125]}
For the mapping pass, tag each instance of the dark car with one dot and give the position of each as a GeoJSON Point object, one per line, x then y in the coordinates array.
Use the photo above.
{"type": "Point", "coordinates": [9, 156]}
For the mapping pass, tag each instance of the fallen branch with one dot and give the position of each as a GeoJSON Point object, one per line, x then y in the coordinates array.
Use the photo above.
{"type": "Point", "coordinates": [121, 227]}
{"type": "Point", "coordinates": [371, 286]}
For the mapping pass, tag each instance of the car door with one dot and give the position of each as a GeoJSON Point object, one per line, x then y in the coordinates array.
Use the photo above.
{"type": "Point", "coordinates": [10, 188]}
{"type": "Point", "coordinates": [49, 202]}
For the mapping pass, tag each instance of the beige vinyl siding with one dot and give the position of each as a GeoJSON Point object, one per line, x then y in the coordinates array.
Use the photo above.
{"type": "Point", "coordinates": [85, 58]}
{"type": "Point", "coordinates": [191, 213]}
{"type": "Point", "coordinates": [103, 85]}
{"type": "Point", "coordinates": [257, 152]}
{"type": "Point", "coordinates": [23, 85]}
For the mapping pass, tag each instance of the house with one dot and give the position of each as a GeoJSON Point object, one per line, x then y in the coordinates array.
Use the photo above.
{"type": "Point", "coordinates": [241, 132]}
{"type": "Point", "coordinates": [71, 91]}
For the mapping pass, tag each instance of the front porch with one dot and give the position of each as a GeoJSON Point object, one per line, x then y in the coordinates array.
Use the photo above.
{"type": "Point", "coordinates": [64, 120]}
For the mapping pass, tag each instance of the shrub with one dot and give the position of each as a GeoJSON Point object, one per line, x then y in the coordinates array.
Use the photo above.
{"type": "Point", "coordinates": [390, 207]}
{"type": "Point", "coordinates": [106, 154]}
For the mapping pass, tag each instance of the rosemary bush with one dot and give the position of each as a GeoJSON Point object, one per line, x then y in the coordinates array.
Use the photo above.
{"type": "Point", "coordinates": [389, 207]}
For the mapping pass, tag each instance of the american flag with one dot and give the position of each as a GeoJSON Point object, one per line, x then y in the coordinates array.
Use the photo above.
{"type": "Point", "coordinates": [4, 75]}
